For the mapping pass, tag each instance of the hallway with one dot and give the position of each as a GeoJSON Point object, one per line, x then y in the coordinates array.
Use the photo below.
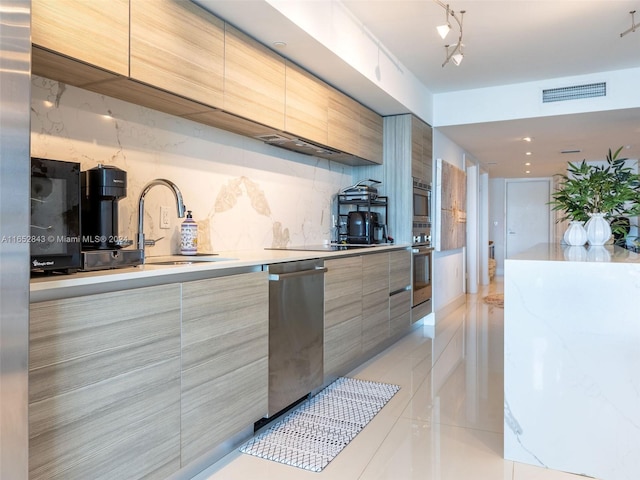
{"type": "Point", "coordinates": [445, 423]}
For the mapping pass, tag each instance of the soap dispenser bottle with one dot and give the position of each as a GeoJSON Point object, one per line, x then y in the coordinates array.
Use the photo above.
{"type": "Point", "coordinates": [189, 236]}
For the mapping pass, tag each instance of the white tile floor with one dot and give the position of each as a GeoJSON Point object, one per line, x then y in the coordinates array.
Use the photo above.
{"type": "Point", "coordinates": [444, 424]}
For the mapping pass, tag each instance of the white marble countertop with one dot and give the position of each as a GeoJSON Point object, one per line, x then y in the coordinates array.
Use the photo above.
{"type": "Point", "coordinates": [555, 252]}
{"type": "Point", "coordinates": [223, 263]}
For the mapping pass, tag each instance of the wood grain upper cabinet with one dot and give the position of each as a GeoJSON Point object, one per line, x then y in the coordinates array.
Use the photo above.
{"type": "Point", "coordinates": [343, 123]}
{"type": "Point", "coordinates": [178, 47]}
{"type": "Point", "coordinates": [421, 150]}
{"type": "Point", "coordinates": [95, 32]}
{"type": "Point", "coordinates": [353, 128]}
{"type": "Point", "coordinates": [306, 105]}
{"type": "Point", "coordinates": [225, 347]}
{"type": "Point", "coordinates": [371, 129]}
{"type": "Point", "coordinates": [104, 385]}
{"type": "Point", "coordinates": [254, 80]}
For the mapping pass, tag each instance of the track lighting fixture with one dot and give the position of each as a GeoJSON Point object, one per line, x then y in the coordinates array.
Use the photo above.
{"type": "Point", "coordinates": [452, 52]}
{"type": "Point", "coordinates": [633, 24]}
{"type": "Point", "coordinates": [444, 30]}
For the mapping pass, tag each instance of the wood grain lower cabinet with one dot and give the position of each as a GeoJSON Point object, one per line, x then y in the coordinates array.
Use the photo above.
{"type": "Point", "coordinates": [375, 300]}
{"type": "Point", "coordinates": [178, 47]}
{"type": "Point", "coordinates": [225, 324]}
{"type": "Point", "coordinates": [104, 386]}
{"type": "Point", "coordinates": [95, 32]}
{"type": "Point", "coordinates": [400, 313]}
{"type": "Point", "coordinates": [342, 314]}
{"type": "Point", "coordinates": [400, 292]}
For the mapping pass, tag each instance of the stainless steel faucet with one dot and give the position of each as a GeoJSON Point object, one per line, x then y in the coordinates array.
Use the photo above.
{"type": "Point", "coordinates": [179, 203]}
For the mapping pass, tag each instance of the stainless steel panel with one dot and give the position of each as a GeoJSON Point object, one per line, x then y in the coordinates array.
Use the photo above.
{"type": "Point", "coordinates": [15, 95]}
{"type": "Point", "coordinates": [296, 326]}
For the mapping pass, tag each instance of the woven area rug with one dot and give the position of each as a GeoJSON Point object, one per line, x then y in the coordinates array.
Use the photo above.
{"type": "Point", "coordinates": [318, 429]}
{"type": "Point", "coordinates": [496, 299]}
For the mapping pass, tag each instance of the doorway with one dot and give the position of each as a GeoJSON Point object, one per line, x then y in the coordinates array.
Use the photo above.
{"type": "Point", "coordinates": [528, 215]}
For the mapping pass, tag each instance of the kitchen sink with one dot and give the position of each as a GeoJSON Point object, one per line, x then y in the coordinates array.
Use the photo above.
{"type": "Point", "coordinates": [185, 260]}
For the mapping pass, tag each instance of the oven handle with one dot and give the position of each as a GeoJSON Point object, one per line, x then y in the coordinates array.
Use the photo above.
{"type": "Point", "coordinates": [422, 250]}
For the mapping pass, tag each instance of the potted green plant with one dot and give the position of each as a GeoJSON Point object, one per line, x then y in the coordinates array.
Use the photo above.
{"type": "Point", "coordinates": [598, 195]}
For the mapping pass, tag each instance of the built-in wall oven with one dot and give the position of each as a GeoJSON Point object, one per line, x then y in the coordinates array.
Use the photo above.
{"type": "Point", "coordinates": [422, 264]}
{"type": "Point", "coordinates": [421, 211]}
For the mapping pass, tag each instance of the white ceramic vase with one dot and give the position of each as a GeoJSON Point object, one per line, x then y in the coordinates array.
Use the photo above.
{"type": "Point", "coordinates": [598, 229]}
{"type": "Point", "coordinates": [576, 235]}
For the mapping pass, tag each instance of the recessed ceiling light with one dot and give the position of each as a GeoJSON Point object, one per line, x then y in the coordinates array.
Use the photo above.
{"type": "Point", "coordinates": [528, 153]}
{"type": "Point", "coordinates": [527, 139]}
{"type": "Point", "coordinates": [528, 163]}
{"type": "Point", "coordinates": [527, 171]}
{"type": "Point", "coordinates": [280, 44]}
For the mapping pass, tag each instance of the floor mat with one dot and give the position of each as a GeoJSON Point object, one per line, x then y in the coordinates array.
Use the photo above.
{"type": "Point", "coordinates": [316, 431]}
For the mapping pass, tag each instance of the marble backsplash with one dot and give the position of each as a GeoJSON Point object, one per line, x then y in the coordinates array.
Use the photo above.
{"type": "Point", "coordinates": [243, 194]}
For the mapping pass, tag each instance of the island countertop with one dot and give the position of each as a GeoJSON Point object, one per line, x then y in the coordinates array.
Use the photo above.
{"type": "Point", "coordinates": [571, 360]}
{"type": "Point", "coordinates": [225, 263]}
{"type": "Point", "coordinates": [555, 252]}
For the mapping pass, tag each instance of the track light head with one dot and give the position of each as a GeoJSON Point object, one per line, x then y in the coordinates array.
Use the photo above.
{"type": "Point", "coordinates": [457, 58]}
{"type": "Point", "coordinates": [443, 30]}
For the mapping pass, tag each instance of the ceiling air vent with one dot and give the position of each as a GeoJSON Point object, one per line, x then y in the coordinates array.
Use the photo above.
{"type": "Point", "coordinates": [573, 93]}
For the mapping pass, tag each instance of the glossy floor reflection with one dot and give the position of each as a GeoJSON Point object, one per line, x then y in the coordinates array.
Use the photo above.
{"type": "Point", "coordinates": [444, 424]}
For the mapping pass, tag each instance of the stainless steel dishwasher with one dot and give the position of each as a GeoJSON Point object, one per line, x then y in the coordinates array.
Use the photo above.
{"type": "Point", "coordinates": [296, 326]}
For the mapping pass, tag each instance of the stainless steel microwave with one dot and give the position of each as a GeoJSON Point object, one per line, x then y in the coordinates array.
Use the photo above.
{"type": "Point", "coordinates": [54, 240]}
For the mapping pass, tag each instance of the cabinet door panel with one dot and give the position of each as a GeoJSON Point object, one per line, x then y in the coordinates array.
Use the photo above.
{"type": "Point", "coordinates": [344, 123]}
{"type": "Point", "coordinates": [399, 270]}
{"type": "Point", "coordinates": [101, 365]}
{"type": "Point", "coordinates": [224, 354]}
{"type": "Point", "coordinates": [371, 131]}
{"type": "Point", "coordinates": [179, 47]}
{"type": "Point", "coordinates": [254, 80]}
{"type": "Point", "coordinates": [307, 105]}
{"type": "Point", "coordinates": [375, 300]}
{"type": "Point", "coordinates": [95, 32]}
{"type": "Point", "coordinates": [342, 314]}
{"type": "Point", "coordinates": [400, 307]}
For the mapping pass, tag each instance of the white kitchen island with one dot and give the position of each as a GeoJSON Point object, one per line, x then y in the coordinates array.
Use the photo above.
{"type": "Point", "coordinates": [572, 360]}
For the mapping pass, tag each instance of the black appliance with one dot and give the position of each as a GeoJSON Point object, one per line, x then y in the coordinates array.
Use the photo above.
{"type": "Point", "coordinates": [102, 188]}
{"type": "Point", "coordinates": [363, 227]}
{"type": "Point", "coordinates": [55, 216]}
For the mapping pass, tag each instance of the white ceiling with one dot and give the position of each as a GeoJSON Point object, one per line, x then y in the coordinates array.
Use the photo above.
{"type": "Point", "coordinates": [505, 42]}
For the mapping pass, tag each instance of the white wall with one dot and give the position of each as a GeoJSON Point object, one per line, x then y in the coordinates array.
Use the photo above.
{"type": "Point", "coordinates": [448, 266]}
{"type": "Point", "coordinates": [244, 194]}
{"type": "Point", "coordinates": [497, 212]}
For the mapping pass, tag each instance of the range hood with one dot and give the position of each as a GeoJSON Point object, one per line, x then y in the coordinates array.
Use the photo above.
{"type": "Point", "coordinates": [308, 147]}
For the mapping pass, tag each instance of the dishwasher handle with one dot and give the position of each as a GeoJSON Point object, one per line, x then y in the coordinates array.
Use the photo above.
{"type": "Point", "coordinates": [276, 277]}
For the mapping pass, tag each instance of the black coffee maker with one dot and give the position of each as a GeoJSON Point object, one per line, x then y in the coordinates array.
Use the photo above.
{"type": "Point", "coordinates": [102, 246]}
{"type": "Point", "coordinates": [102, 187]}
